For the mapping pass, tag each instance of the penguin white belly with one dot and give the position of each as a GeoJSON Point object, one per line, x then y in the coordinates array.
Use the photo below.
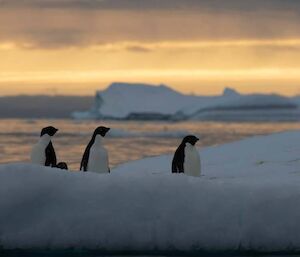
{"type": "Point", "coordinates": [38, 153]}
{"type": "Point", "coordinates": [98, 160]}
{"type": "Point", "coordinates": [192, 164]}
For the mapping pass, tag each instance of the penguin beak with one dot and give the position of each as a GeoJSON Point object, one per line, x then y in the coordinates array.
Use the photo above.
{"type": "Point", "coordinates": [107, 129]}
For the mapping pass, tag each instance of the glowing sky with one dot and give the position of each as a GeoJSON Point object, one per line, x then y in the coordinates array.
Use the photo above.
{"type": "Point", "coordinates": [78, 46]}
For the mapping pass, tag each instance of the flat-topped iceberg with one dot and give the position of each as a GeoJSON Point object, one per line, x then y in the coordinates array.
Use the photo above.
{"type": "Point", "coordinates": [149, 102]}
{"type": "Point", "coordinates": [246, 200]}
{"type": "Point", "coordinates": [122, 100]}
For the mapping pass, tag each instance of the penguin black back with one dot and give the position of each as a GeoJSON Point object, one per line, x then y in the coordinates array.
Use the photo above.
{"type": "Point", "coordinates": [50, 155]}
{"type": "Point", "coordinates": [49, 151]}
{"type": "Point", "coordinates": [85, 158]}
{"type": "Point", "coordinates": [178, 159]}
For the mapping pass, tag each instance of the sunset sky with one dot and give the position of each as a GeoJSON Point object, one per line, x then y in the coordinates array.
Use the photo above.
{"type": "Point", "coordinates": [195, 46]}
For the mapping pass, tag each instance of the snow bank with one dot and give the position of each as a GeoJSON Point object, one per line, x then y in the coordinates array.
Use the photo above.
{"type": "Point", "coordinates": [247, 199]}
{"type": "Point", "coordinates": [148, 102]}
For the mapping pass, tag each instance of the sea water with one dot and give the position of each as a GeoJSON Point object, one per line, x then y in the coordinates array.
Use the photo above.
{"type": "Point", "coordinates": [127, 141]}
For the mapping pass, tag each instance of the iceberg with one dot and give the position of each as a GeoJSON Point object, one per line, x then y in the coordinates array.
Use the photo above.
{"type": "Point", "coordinates": [246, 201]}
{"type": "Point", "coordinates": [252, 107]}
{"type": "Point", "coordinates": [137, 102]}
{"type": "Point", "coordinates": [148, 102]}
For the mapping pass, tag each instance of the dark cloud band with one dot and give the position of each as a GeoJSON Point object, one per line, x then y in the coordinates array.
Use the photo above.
{"type": "Point", "coordinates": [240, 5]}
{"type": "Point", "coordinates": [67, 23]}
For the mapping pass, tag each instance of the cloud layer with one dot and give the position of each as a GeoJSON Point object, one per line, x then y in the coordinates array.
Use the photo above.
{"type": "Point", "coordinates": [76, 27]}
{"type": "Point", "coordinates": [214, 42]}
{"type": "Point", "coordinates": [221, 5]}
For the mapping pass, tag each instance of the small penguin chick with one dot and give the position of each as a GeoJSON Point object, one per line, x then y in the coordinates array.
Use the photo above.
{"type": "Point", "coordinates": [186, 158]}
{"type": "Point", "coordinates": [62, 165]}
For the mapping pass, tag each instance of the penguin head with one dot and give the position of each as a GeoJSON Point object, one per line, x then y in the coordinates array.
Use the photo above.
{"type": "Point", "coordinates": [190, 139]}
{"type": "Point", "coordinates": [51, 131]}
{"type": "Point", "coordinates": [101, 131]}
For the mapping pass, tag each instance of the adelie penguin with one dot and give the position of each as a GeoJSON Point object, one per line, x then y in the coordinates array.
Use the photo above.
{"type": "Point", "coordinates": [95, 157]}
{"type": "Point", "coordinates": [43, 152]}
{"type": "Point", "coordinates": [186, 158]}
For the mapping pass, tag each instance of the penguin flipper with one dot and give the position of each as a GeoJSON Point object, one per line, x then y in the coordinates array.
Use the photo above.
{"type": "Point", "coordinates": [85, 158]}
{"type": "Point", "coordinates": [174, 167]}
{"type": "Point", "coordinates": [178, 159]}
{"type": "Point", "coordinates": [50, 155]}
{"type": "Point", "coordinates": [177, 167]}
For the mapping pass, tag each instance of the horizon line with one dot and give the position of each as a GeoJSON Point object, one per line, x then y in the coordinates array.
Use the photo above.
{"type": "Point", "coordinates": [57, 94]}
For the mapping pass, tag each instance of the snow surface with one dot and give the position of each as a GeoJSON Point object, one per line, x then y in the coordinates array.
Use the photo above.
{"type": "Point", "coordinates": [247, 199]}
{"type": "Point", "coordinates": [124, 101]}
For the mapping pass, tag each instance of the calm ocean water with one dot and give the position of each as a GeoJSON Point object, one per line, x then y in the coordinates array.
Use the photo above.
{"type": "Point", "coordinates": [127, 141]}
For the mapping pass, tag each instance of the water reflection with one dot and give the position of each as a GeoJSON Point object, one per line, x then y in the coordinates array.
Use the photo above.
{"type": "Point", "coordinates": [131, 140]}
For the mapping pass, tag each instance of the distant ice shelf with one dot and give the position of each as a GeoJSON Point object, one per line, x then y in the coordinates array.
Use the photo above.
{"type": "Point", "coordinates": [149, 102]}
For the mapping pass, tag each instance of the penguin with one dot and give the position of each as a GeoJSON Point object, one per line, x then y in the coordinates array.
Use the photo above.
{"type": "Point", "coordinates": [95, 157]}
{"type": "Point", "coordinates": [186, 158]}
{"type": "Point", "coordinates": [62, 165]}
{"type": "Point", "coordinates": [43, 152]}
